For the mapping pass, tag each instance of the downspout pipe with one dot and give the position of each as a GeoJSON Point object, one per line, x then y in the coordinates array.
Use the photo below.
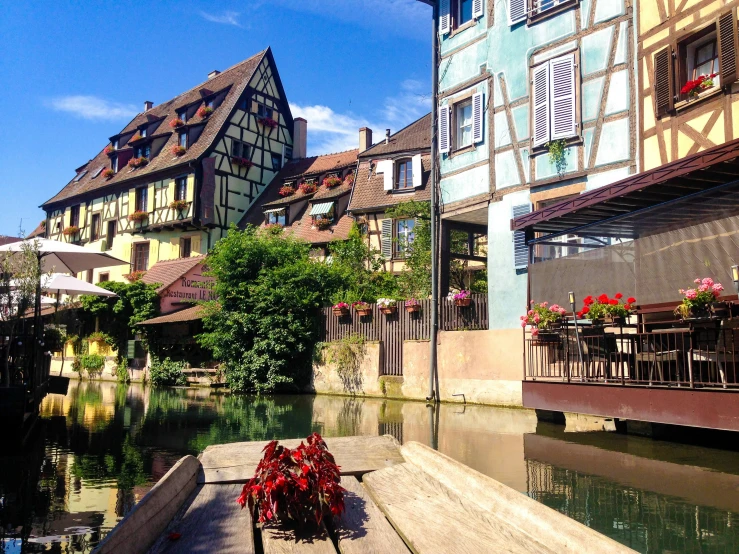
{"type": "Point", "coordinates": [434, 395]}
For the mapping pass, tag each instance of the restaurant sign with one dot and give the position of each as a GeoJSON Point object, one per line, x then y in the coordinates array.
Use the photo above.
{"type": "Point", "coordinates": [190, 288]}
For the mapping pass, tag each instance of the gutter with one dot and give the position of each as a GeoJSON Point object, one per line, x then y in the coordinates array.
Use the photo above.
{"type": "Point", "coordinates": [433, 375]}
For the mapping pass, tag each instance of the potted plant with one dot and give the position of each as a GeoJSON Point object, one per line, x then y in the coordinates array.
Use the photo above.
{"type": "Point", "coordinates": [71, 231]}
{"type": "Point", "coordinates": [204, 112]}
{"type": "Point", "coordinates": [543, 319]}
{"type": "Point", "coordinates": [178, 150]}
{"type": "Point", "coordinates": [136, 137]}
{"type": "Point", "coordinates": [341, 309]}
{"type": "Point", "coordinates": [349, 179]}
{"type": "Point", "coordinates": [412, 305]}
{"type": "Point", "coordinates": [307, 187]}
{"type": "Point", "coordinates": [176, 122]}
{"type": "Point", "coordinates": [331, 182]}
{"type": "Point", "coordinates": [362, 308]}
{"type": "Point", "coordinates": [694, 87]}
{"type": "Point", "coordinates": [387, 306]}
{"type": "Point", "coordinates": [109, 150]}
{"type": "Point", "coordinates": [299, 487]}
{"type": "Point", "coordinates": [108, 173]}
{"type": "Point", "coordinates": [558, 155]}
{"type": "Point", "coordinates": [698, 301]}
{"type": "Point", "coordinates": [138, 162]}
{"type": "Point", "coordinates": [461, 298]}
{"type": "Point", "coordinates": [242, 162]}
{"type": "Point", "coordinates": [134, 276]}
{"type": "Point", "coordinates": [323, 224]}
{"type": "Point", "coordinates": [138, 216]}
{"type": "Point", "coordinates": [602, 309]}
{"type": "Point", "coordinates": [286, 190]}
{"type": "Point", "coordinates": [179, 205]}
{"type": "Point", "coordinates": [267, 122]}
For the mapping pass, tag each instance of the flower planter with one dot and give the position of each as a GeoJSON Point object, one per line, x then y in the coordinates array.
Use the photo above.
{"type": "Point", "coordinates": [721, 309]}
{"type": "Point", "coordinates": [176, 123]}
{"type": "Point", "coordinates": [616, 320]}
{"type": "Point", "coordinates": [341, 312]}
{"type": "Point", "coordinates": [389, 310]}
{"type": "Point", "coordinates": [363, 313]}
{"type": "Point", "coordinates": [178, 150]}
{"type": "Point", "coordinates": [331, 182]}
{"type": "Point", "coordinates": [242, 162]}
{"type": "Point", "coordinates": [204, 112]}
{"type": "Point", "coordinates": [412, 309]}
{"type": "Point", "coordinates": [546, 337]}
{"type": "Point", "coordinates": [462, 302]}
{"type": "Point", "coordinates": [138, 217]}
{"type": "Point", "coordinates": [286, 190]}
{"type": "Point", "coordinates": [323, 224]}
{"type": "Point", "coordinates": [179, 205]}
{"type": "Point", "coordinates": [267, 122]}
{"type": "Point", "coordinates": [108, 174]}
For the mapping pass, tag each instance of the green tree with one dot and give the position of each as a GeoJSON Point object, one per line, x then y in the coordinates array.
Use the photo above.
{"type": "Point", "coordinates": [415, 280]}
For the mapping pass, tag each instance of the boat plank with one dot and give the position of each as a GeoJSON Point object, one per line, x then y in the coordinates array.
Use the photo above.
{"type": "Point", "coordinates": [236, 462]}
{"type": "Point", "coordinates": [212, 522]}
{"type": "Point", "coordinates": [363, 528]}
{"type": "Point", "coordinates": [278, 541]}
{"type": "Point", "coordinates": [432, 518]}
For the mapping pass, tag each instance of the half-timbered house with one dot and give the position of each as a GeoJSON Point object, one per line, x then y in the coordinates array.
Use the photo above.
{"type": "Point", "coordinates": [179, 174]}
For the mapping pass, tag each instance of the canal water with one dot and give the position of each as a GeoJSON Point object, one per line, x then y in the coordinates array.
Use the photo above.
{"type": "Point", "coordinates": [101, 447]}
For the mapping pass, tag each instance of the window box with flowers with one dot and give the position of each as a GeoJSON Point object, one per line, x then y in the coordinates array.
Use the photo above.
{"type": "Point", "coordinates": [286, 190]}
{"type": "Point", "coordinates": [349, 179]}
{"type": "Point", "coordinates": [695, 87]}
{"type": "Point", "coordinates": [176, 123]}
{"type": "Point", "coordinates": [700, 302]}
{"type": "Point", "coordinates": [204, 112]}
{"type": "Point", "coordinates": [341, 309]}
{"type": "Point", "coordinates": [71, 231]}
{"type": "Point", "coordinates": [179, 205]}
{"type": "Point", "coordinates": [412, 305]}
{"type": "Point", "coordinates": [307, 187]}
{"type": "Point", "coordinates": [322, 224]}
{"type": "Point", "coordinates": [178, 150]}
{"type": "Point", "coordinates": [331, 182]}
{"type": "Point", "coordinates": [136, 137]}
{"type": "Point", "coordinates": [544, 320]}
{"type": "Point", "coordinates": [607, 310]}
{"type": "Point", "coordinates": [362, 308]}
{"type": "Point", "coordinates": [242, 162]}
{"type": "Point", "coordinates": [108, 174]}
{"type": "Point", "coordinates": [267, 122]}
{"type": "Point", "coordinates": [138, 216]}
{"type": "Point", "coordinates": [134, 276]}
{"type": "Point", "coordinates": [461, 298]}
{"type": "Point", "coordinates": [387, 306]}
{"type": "Point", "coordinates": [134, 163]}
{"type": "Point", "coordinates": [109, 150]}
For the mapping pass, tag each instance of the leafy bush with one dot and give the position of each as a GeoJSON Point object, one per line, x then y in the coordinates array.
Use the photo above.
{"type": "Point", "coordinates": [121, 371]}
{"type": "Point", "coordinates": [166, 373]}
{"type": "Point", "coordinates": [93, 364]}
{"type": "Point", "coordinates": [347, 355]}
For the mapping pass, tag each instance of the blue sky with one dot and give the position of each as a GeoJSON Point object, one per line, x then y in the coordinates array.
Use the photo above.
{"type": "Point", "coordinates": [74, 73]}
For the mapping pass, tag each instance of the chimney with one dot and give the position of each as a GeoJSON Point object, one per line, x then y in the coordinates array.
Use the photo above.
{"type": "Point", "coordinates": [365, 139]}
{"type": "Point", "coordinates": [213, 74]}
{"type": "Point", "coordinates": [148, 104]}
{"type": "Point", "coordinates": [387, 136]}
{"type": "Point", "coordinates": [300, 138]}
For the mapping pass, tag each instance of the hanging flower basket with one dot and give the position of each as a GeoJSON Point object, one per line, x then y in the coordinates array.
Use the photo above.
{"type": "Point", "coordinates": [108, 150]}
{"type": "Point", "coordinates": [387, 306]}
{"type": "Point", "coordinates": [242, 162]}
{"type": "Point", "coordinates": [178, 150]}
{"type": "Point", "coordinates": [179, 205]}
{"type": "Point", "coordinates": [286, 190]}
{"type": "Point", "coordinates": [204, 112]}
{"type": "Point", "coordinates": [267, 122]}
{"type": "Point", "coordinates": [323, 224]}
{"type": "Point", "coordinates": [412, 305]}
{"type": "Point", "coordinates": [307, 188]}
{"type": "Point", "coordinates": [134, 276]}
{"type": "Point", "coordinates": [71, 231]}
{"type": "Point", "coordinates": [341, 309]}
{"type": "Point", "coordinates": [138, 162]}
{"type": "Point", "coordinates": [176, 122]}
{"type": "Point", "coordinates": [108, 174]}
{"type": "Point", "coordinates": [138, 216]}
{"type": "Point", "coordinates": [362, 308]}
{"type": "Point", "coordinates": [462, 298]}
{"type": "Point", "coordinates": [331, 182]}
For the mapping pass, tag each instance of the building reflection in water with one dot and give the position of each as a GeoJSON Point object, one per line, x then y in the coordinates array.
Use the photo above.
{"type": "Point", "coordinates": [102, 446]}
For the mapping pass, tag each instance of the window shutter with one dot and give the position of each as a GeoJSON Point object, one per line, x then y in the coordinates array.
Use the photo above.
{"type": "Point", "coordinates": [83, 216]}
{"type": "Point", "coordinates": [417, 167]}
{"type": "Point", "coordinates": [663, 86]}
{"type": "Point", "coordinates": [445, 17]}
{"type": "Point", "coordinates": [150, 198]}
{"type": "Point", "coordinates": [195, 245]}
{"type": "Point", "coordinates": [540, 115]}
{"type": "Point", "coordinates": [477, 8]}
{"type": "Point", "coordinates": [174, 248]}
{"type": "Point", "coordinates": [171, 193]}
{"type": "Point", "coordinates": [386, 168]}
{"type": "Point", "coordinates": [727, 47]}
{"type": "Point", "coordinates": [562, 103]}
{"type": "Point", "coordinates": [387, 238]}
{"type": "Point", "coordinates": [520, 250]}
{"type": "Point", "coordinates": [477, 117]}
{"type": "Point", "coordinates": [130, 349]}
{"type": "Point", "coordinates": [67, 218]}
{"type": "Point", "coordinates": [131, 201]}
{"type": "Point", "coordinates": [153, 252]}
{"type": "Point", "coordinates": [126, 253]}
{"type": "Point", "coordinates": [189, 189]}
{"type": "Point", "coordinates": [444, 130]}
{"type": "Point", "coordinates": [516, 11]}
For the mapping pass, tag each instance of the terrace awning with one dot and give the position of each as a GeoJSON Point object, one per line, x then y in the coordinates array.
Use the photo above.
{"type": "Point", "coordinates": [321, 209]}
{"type": "Point", "coordinates": [695, 189]}
{"type": "Point", "coordinates": [274, 210]}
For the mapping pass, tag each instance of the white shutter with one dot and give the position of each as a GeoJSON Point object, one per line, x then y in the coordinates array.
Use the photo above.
{"type": "Point", "coordinates": [417, 170]}
{"type": "Point", "coordinates": [477, 8]}
{"type": "Point", "coordinates": [386, 168]}
{"type": "Point", "coordinates": [516, 11]}
{"type": "Point", "coordinates": [540, 116]}
{"type": "Point", "coordinates": [387, 238]}
{"type": "Point", "coordinates": [444, 129]}
{"type": "Point", "coordinates": [520, 250]}
{"type": "Point", "coordinates": [478, 112]}
{"type": "Point", "coordinates": [562, 103]}
{"type": "Point", "coordinates": [445, 17]}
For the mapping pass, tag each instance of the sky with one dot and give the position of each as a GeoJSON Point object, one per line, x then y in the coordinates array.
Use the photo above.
{"type": "Point", "coordinates": [74, 73]}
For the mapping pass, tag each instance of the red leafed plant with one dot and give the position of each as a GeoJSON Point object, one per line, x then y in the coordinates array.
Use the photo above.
{"type": "Point", "coordinates": [298, 486]}
{"type": "Point", "coordinates": [204, 111]}
{"type": "Point", "coordinates": [242, 162]}
{"type": "Point", "coordinates": [108, 173]}
{"type": "Point", "coordinates": [307, 187]}
{"type": "Point", "coordinates": [330, 182]}
{"type": "Point", "coordinates": [176, 122]}
{"type": "Point", "coordinates": [696, 86]}
{"type": "Point", "coordinates": [108, 150]}
{"type": "Point", "coordinates": [267, 122]}
{"type": "Point", "coordinates": [286, 190]}
{"type": "Point", "coordinates": [178, 150]}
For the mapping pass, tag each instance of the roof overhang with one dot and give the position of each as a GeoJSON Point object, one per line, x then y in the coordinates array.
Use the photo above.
{"type": "Point", "coordinates": [696, 188]}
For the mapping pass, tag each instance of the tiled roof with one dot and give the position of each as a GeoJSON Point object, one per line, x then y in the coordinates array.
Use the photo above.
{"type": "Point", "coordinates": [39, 231]}
{"type": "Point", "coordinates": [302, 229]}
{"type": "Point", "coordinates": [192, 313]}
{"type": "Point", "coordinates": [236, 77]}
{"type": "Point", "coordinates": [416, 136]}
{"type": "Point", "coordinates": [8, 240]}
{"type": "Point", "coordinates": [369, 192]}
{"type": "Point", "coordinates": [306, 167]}
{"type": "Point", "coordinates": [168, 271]}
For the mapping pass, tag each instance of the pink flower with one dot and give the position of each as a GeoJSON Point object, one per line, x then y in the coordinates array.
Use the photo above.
{"type": "Point", "coordinates": [691, 294]}
{"type": "Point", "coordinates": [531, 312]}
{"type": "Point", "coordinates": [718, 287]}
{"type": "Point", "coordinates": [523, 324]}
{"type": "Point", "coordinates": [537, 319]}
{"type": "Point", "coordinates": [523, 318]}
{"type": "Point", "coordinates": [544, 304]}
{"type": "Point", "coordinates": [708, 282]}
{"type": "Point", "coordinates": [716, 293]}
{"type": "Point", "coordinates": [703, 288]}
{"type": "Point", "coordinates": [697, 281]}
{"type": "Point", "coordinates": [535, 332]}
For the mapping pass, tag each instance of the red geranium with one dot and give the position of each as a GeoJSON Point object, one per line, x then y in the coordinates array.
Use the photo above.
{"type": "Point", "coordinates": [588, 300]}
{"type": "Point", "coordinates": [613, 302]}
{"type": "Point", "coordinates": [631, 300]}
{"type": "Point", "coordinates": [204, 111]}
{"type": "Point", "coordinates": [618, 296]}
{"type": "Point", "coordinates": [704, 82]}
{"type": "Point", "coordinates": [603, 299]}
{"type": "Point", "coordinates": [299, 485]}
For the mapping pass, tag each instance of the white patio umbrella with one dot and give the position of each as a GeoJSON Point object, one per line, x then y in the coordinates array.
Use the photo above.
{"type": "Point", "coordinates": [62, 256]}
{"type": "Point", "coordinates": [71, 286]}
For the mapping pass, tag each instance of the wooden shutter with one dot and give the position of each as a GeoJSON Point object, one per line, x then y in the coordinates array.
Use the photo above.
{"type": "Point", "coordinates": [520, 250]}
{"type": "Point", "coordinates": [82, 223]}
{"type": "Point", "coordinates": [189, 189]}
{"type": "Point", "coordinates": [478, 7]}
{"type": "Point", "coordinates": [127, 252]}
{"type": "Point", "coordinates": [386, 168]}
{"type": "Point", "coordinates": [540, 114]}
{"type": "Point", "coordinates": [664, 94]}
{"type": "Point", "coordinates": [67, 218]}
{"type": "Point", "coordinates": [174, 248]}
{"type": "Point", "coordinates": [562, 102]}
{"type": "Point", "coordinates": [153, 252]}
{"type": "Point", "coordinates": [131, 201]}
{"type": "Point", "coordinates": [445, 17]}
{"type": "Point", "coordinates": [478, 112]}
{"type": "Point", "coordinates": [387, 238]}
{"type": "Point", "coordinates": [516, 11]}
{"type": "Point", "coordinates": [727, 47]}
{"type": "Point", "coordinates": [417, 167]}
{"type": "Point", "coordinates": [171, 191]}
{"type": "Point", "coordinates": [195, 245]}
{"type": "Point", "coordinates": [444, 130]}
{"type": "Point", "coordinates": [150, 198]}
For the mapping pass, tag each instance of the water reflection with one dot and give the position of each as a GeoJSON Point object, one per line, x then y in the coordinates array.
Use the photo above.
{"type": "Point", "coordinates": [102, 446]}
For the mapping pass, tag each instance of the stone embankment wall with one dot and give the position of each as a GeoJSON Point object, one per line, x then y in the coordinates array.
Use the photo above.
{"type": "Point", "coordinates": [480, 367]}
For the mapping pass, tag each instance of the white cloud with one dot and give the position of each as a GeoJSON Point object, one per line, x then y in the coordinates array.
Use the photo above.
{"type": "Point", "coordinates": [93, 108]}
{"type": "Point", "coordinates": [329, 131]}
{"type": "Point", "coordinates": [225, 18]}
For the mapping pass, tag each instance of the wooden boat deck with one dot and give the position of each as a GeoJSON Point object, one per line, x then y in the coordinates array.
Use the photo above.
{"type": "Point", "coordinates": [398, 499]}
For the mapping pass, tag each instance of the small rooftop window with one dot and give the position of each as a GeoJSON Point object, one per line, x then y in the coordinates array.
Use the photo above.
{"type": "Point", "coordinates": [79, 176]}
{"type": "Point", "coordinates": [98, 171]}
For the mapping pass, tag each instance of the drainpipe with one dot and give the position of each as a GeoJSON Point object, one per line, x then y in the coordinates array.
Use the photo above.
{"type": "Point", "coordinates": [434, 395]}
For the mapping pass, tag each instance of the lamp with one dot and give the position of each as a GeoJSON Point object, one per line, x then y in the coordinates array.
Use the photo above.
{"type": "Point", "coordinates": [572, 299]}
{"type": "Point", "coordinates": [735, 277]}
{"type": "Point", "coordinates": [571, 296]}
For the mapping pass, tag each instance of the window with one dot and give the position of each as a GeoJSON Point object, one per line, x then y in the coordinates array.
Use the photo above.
{"type": "Point", "coordinates": [454, 14]}
{"type": "Point", "coordinates": [98, 171]}
{"type": "Point", "coordinates": [141, 256]}
{"type": "Point", "coordinates": [404, 235]}
{"type": "Point", "coordinates": [240, 149]}
{"type": "Point", "coordinates": [404, 178]}
{"type": "Point", "coordinates": [533, 10]}
{"type": "Point", "coordinates": [114, 164]}
{"type": "Point", "coordinates": [276, 216]}
{"type": "Point", "coordinates": [142, 201]}
{"type": "Point", "coordinates": [553, 89]}
{"type": "Point", "coordinates": [112, 229]}
{"type": "Point", "coordinates": [464, 12]}
{"type": "Point", "coordinates": [115, 144]}
{"type": "Point", "coordinates": [103, 277]}
{"type": "Point", "coordinates": [287, 154]}
{"type": "Point", "coordinates": [264, 111]}
{"type": "Point", "coordinates": [180, 188]}
{"type": "Point", "coordinates": [183, 140]}
{"type": "Point", "coordinates": [209, 103]}
{"type": "Point", "coordinates": [80, 175]}
{"type": "Point", "coordinates": [74, 216]}
{"type": "Point", "coordinates": [461, 123]}
{"type": "Point", "coordinates": [142, 132]}
{"type": "Point", "coordinates": [182, 114]}
{"type": "Point", "coordinates": [142, 151]}
{"type": "Point", "coordinates": [520, 250]}
{"type": "Point", "coordinates": [276, 161]}
{"type": "Point", "coordinates": [710, 53]}
{"type": "Point", "coordinates": [95, 227]}
{"type": "Point", "coordinates": [90, 275]}
{"type": "Point", "coordinates": [185, 247]}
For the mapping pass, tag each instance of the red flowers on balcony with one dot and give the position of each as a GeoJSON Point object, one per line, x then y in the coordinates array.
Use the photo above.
{"type": "Point", "coordinates": [178, 150]}
{"type": "Point", "coordinates": [696, 86]}
{"type": "Point", "coordinates": [307, 188]}
{"type": "Point", "coordinates": [179, 205]}
{"type": "Point", "coordinates": [108, 150]}
{"type": "Point", "coordinates": [138, 216]}
{"type": "Point", "coordinates": [331, 182]}
{"type": "Point", "coordinates": [176, 122]}
{"type": "Point", "coordinates": [267, 122]}
{"type": "Point", "coordinates": [204, 111]}
{"type": "Point", "coordinates": [287, 190]}
{"type": "Point", "coordinates": [108, 173]}
{"type": "Point", "coordinates": [71, 231]}
{"type": "Point", "coordinates": [241, 162]}
{"type": "Point", "coordinates": [136, 137]}
{"type": "Point", "coordinates": [133, 163]}
{"type": "Point", "coordinates": [134, 276]}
